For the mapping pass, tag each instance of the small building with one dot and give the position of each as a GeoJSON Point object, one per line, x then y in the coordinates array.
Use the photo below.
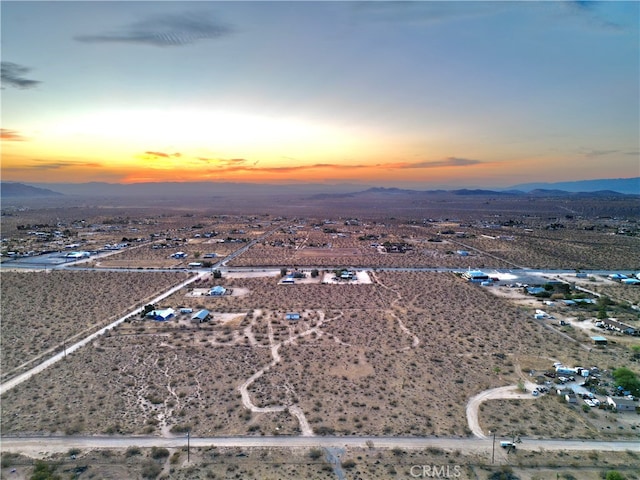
{"type": "Point", "coordinates": [186, 310]}
{"type": "Point", "coordinates": [535, 290]}
{"type": "Point", "coordinates": [598, 340]}
{"type": "Point", "coordinates": [161, 315]}
{"type": "Point", "coordinates": [217, 291]}
{"type": "Point", "coordinates": [201, 316]}
{"type": "Point", "coordinates": [571, 398]}
{"type": "Point", "coordinates": [179, 255]}
{"type": "Point", "coordinates": [622, 404]}
{"type": "Point", "coordinates": [288, 280]}
{"type": "Point", "coordinates": [562, 370]}
{"type": "Point", "coordinates": [631, 281]}
{"type": "Point", "coordinates": [79, 255]}
{"type": "Point", "coordinates": [590, 301]}
{"type": "Point", "coordinates": [617, 276]}
{"type": "Point", "coordinates": [462, 253]}
{"type": "Point", "coordinates": [347, 275]}
{"type": "Point", "coordinates": [292, 316]}
{"type": "Point", "coordinates": [475, 276]}
{"type": "Point", "coordinates": [611, 324]}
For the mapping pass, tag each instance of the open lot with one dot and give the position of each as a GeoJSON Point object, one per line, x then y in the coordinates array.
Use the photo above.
{"type": "Point", "coordinates": [395, 353]}
{"type": "Point", "coordinates": [41, 310]}
{"type": "Point", "coordinates": [377, 353]}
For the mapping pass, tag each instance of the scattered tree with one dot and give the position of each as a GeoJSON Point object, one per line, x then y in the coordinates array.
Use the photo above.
{"type": "Point", "coordinates": [627, 379]}
{"type": "Point", "coordinates": [44, 471]}
{"type": "Point", "coordinates": [615, 475]}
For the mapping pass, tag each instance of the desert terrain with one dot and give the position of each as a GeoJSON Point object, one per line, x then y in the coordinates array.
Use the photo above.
{"type": "Point", "coordinates": [397, 351]}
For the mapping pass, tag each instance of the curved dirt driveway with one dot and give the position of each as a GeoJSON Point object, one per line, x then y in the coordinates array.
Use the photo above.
{"type": "Point", "coordinates": [508, 392]}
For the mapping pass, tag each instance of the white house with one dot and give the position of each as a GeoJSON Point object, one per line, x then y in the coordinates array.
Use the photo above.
{"type": "Point", "coordinates": [161, 315]}
{"type": "Point", "coordinates": [217, 291]}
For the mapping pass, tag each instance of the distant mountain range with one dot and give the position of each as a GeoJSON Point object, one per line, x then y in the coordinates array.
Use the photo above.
{"type": "Point", "coordinates": [20, 190]}
{"type": "Point", "coordinates": [600, 187]}
{"type": "Point", "coordinates": [620, 185]}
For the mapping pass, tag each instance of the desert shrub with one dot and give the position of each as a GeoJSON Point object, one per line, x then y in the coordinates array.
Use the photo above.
{"type": "Point", "coordinates": [506, 473]}
{"type": "Point", "coordinates": [181, 428]}
{"type": "Point", "coordinates": [614, 475]}
{"type": "Point", "coordinates": [159, 452]}
{"type": "Point", "coordinates": [131, 451]}
{"type": "Point", "coordinates": [397, 451]}
{"type": "Point", "coordinates": [325, 430]}
{"type": "Point", "coordinates": [5, 461]}
{"type": "Point", "coordinates": [44, 471]}
{"type": "Point", "coordinates": [315, 453]}
{"type": "Point", "coordinates": [348, 464]}
{"type": "Point", "coordinates": [151, 470]}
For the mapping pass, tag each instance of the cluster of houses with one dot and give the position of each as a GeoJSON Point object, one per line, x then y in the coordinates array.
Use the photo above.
{"type": "Point", "coordinates": [166, 314]}
{"type": "Point", "coordinates": [624, 279]}
{"type": "Point", "coordinates": [115, 246]}
{"type": "Point", "coordinates": [624, 403]}
{"type": "Point", "coordinates": [616, 326]}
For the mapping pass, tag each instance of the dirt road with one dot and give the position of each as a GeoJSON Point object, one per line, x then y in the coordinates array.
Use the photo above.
{"type": "Point", "coordinates": [9, 384]}
{"type": "Point", "coordinates": [508, 392]}
{"type": "Point", "coordinates": [40, 446]}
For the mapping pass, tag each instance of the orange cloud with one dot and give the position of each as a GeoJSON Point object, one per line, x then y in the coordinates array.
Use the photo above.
{"type": "Point", "coordinates": [154, 155]}
{"type": "Point", "coordinates": [448, 162]}
{"type": "Point", "coordinates": [10, 135]}
{"type": "Point", "coordinates": [60, 164]}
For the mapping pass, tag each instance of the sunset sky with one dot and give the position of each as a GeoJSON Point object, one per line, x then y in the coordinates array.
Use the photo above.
{"type": "Point", "coordinates": [477, 94]}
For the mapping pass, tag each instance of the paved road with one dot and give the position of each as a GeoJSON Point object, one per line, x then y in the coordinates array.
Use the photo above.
{"type": "Point", "coordinates": [35, 445]}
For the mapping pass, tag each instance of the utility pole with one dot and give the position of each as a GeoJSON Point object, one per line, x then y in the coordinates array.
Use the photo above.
{"type": "Point", "coordinates": [493, 449]}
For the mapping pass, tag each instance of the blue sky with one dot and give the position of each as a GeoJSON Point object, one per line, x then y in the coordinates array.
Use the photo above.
{"type": "Point", "coordinates": [393, 93]}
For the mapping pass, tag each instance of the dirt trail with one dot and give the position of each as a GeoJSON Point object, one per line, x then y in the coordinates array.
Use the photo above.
{"type": "Point", "coordinates": [416, 341]}
{"type": "Point", "coordinates": [508, 392]}
{"type": "Point", "coordinates": [294, 410]}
